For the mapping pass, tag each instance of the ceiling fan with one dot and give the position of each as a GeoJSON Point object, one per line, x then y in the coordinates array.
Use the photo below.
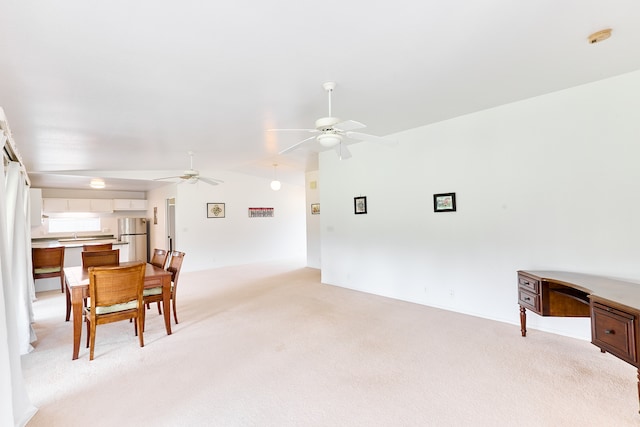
{"type": "Point", "coordinates": [333, 132]}
{"type": "Point", "coordinates": [192, 176]}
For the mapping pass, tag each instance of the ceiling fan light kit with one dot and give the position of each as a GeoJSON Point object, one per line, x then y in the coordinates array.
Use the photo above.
{"type": "Point", "coordinates": [329, 139]}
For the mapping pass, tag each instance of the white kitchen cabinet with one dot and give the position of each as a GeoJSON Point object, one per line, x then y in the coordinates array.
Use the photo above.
{"type": "Point", "coordinates": [101, 205]}
{"type": "Point", "coordinates": [35, 197]}
{"type": "Point", "coordinates": [129, 205]}
{"type": "Point", "coordinates": [79, 205]}
{"type": "Point", "coordinates": [53, 205]}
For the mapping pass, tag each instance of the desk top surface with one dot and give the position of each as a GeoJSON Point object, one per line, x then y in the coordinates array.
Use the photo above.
{"type": "Point", "coordinates": [616, 290]}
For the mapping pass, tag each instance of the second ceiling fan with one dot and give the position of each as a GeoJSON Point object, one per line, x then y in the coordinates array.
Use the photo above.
{"type": "Point", "coordinates": [331, 132]}
{"type": "Point", "coordinates": [192, 176]}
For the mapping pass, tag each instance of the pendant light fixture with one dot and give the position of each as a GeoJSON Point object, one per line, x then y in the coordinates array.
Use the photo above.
{"type": "Point", "coordinates": [275, 184]}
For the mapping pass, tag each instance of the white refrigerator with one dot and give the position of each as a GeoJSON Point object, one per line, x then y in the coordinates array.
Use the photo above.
{"type": "Point", "coordinates": [135, 232]}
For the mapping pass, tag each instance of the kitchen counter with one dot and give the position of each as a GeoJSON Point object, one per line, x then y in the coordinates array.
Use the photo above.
{"type": "Point", "coordinates": [74, 242]}
{"type": "Point", "coordinates": [77, 243]}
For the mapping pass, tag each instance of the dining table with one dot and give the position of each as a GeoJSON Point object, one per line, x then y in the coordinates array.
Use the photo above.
{"type": "Point", "coordinates": [77, 290]}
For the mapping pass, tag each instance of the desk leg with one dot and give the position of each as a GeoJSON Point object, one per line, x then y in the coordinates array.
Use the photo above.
{"type": "Point", "coordinates": [639, 386]}
{"type": "Point", "coordinates": [166, 302]}
{"type": "Point", "coordinates": [76, 305]}
{"type": "Point", "coordinates": [523, 321]}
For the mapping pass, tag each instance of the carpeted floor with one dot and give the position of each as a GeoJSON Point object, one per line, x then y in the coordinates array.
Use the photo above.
{"type": "Point", "coordinates": [268, 345]}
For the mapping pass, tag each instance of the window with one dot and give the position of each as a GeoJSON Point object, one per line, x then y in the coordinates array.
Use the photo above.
{"type": "Point", "coordinates": [73, 225]}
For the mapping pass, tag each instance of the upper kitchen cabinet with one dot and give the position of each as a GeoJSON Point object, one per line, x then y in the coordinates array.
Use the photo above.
{"type": "Point", "coordinates": [101, 205]}
{"type": "Point", "coordinates": [61, 205]}
{"type": "Point", "coordinates": [129, 205]}
{"type": "Point", "coordinates": [77, 205]}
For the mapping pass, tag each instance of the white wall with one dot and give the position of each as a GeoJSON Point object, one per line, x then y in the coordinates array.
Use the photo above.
{"type": "Point", "coordinates": [312, 191]}
{"type": "Point", "coordinates": [548, 183]}
{"type": "Point", "coordinates": [235, 239]}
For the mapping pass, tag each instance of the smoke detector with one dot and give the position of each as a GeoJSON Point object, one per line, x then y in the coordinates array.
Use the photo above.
{"type": "Point", "coordinates": [599, 36]}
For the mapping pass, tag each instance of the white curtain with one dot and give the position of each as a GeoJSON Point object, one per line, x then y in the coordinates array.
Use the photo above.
{"type": "Point", "coordinates": [16, 282]}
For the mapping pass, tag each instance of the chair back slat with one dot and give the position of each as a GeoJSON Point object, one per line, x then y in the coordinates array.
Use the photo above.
{"type": "Point", "coordinates": [99, 258]}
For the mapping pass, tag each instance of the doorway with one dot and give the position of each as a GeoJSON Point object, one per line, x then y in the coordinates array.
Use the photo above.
{"type": "Point", "coordinates": [171, 223]}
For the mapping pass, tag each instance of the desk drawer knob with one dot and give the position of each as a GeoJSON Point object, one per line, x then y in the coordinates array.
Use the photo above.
{"type": "Point", "coordinates": [527, 298]}
{"type": "Point", "coordinates": [609, 332]}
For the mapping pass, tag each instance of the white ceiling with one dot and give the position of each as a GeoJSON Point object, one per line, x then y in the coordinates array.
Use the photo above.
{"type": "Point", "coordinates": [127, 88]}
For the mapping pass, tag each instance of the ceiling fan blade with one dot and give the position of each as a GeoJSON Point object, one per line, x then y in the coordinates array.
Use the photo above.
{"type": "Point", "coordinates": [167, 177]}
{"type": "Point", "coordinates": [210, 181]}
{"type": "Point", "coordinates": [292, 130]}
{"type": "Point", "coordinates": [348, 125]}
{"type": "Point", "coordinates": [294, 146]}
{"type": "Point", "coordinates": [370, 138]}
{"type": "Point", "coordinates": [343, 151]}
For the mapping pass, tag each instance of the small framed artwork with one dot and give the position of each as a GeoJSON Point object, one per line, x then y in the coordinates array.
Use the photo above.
{"type": "Point", "coordinates": [260, 212]}
{"type": "Point", "coordinates": [215, 210]}
{"type": "Point", "coordinates": [315, 208]}
{"type": "Point", "coordinates": [360, 205]}
{"type": "Point", "coordinates": [444, 202]}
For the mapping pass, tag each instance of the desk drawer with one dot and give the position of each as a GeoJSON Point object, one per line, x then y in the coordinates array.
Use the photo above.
{"type": "Point", "coordinates": [529, 284]}
{"type": "Point", "coordinates": [528, 300]}
{"type": "Point", "coordinates": [614, 331]}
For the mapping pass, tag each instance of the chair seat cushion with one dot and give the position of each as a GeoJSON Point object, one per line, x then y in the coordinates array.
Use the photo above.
{"type": "Point", "coordinates": [115, 307]}
{"type": "Point", "coordinates": [152, 291]}
{"type": "Point", "coordinates": [46, 270]}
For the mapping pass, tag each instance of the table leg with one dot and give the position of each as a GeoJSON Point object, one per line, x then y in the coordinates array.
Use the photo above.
{"type": "Point", "coordinates": [166, 302]}
{"type": "Point", "coordinates": [68, 298]}
{"type": "Point", "coordinates": [76, 305]}
{"type": "Point", "coordinates": [639, 386]}
{"type": "Point", "coordinates": [523, 321]}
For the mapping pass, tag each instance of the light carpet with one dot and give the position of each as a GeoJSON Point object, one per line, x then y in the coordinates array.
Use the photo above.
{"type": "Point", "coordinates": [269, 345]}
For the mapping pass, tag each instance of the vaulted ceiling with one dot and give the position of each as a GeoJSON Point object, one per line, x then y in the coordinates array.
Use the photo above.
{"type": "Point", "coordinates": [124, 89]}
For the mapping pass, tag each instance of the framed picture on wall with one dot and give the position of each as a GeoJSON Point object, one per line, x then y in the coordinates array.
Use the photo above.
{"type": "Point", "coordinates": [315, 208]}
{"type": "Point", "coordinates": [444, 202]}
{"type": "Point", "coordinates": [215, 210]}
{"type": "Point", "coordinates": [360, 205]}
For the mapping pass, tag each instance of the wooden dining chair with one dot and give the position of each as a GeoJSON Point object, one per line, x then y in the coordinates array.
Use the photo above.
{"type": "Point", "coordinates": [98, 247]}
{"type": "Point", "coordinates": [116, 294]}
{"type": "Point", "coordinates": [48, 262]}
{"type": "Point", "coordinates": [175, 264]}
{"type": "Point", "coordinates": [155, 294]}
{"type": "Point", "coordinates": [159, 258]}
{"type": "Point", "coordinates": [99, 258]}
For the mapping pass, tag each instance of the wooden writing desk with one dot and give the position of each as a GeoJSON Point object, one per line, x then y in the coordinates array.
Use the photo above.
{"type": "Point", "coordinates": [77, 289]}
{"type": "Point", "coordinates": [613, 306]}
